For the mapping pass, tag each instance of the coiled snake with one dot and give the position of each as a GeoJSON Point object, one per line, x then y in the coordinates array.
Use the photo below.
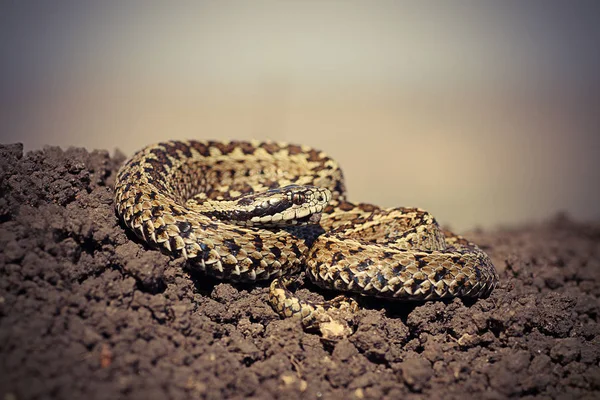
{"type": "Point", "coordinates": [247, 211]}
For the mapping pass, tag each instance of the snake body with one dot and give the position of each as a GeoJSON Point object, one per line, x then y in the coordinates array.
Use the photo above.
{"type": "Point", "coordinates": [247, 211]}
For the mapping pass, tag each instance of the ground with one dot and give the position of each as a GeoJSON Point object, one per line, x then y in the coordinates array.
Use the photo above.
{"type": "Point", "coordinates": [87, 311]}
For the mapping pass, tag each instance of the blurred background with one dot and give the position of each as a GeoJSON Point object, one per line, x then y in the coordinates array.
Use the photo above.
{"type": "Point", "coordinates": [485, 113]}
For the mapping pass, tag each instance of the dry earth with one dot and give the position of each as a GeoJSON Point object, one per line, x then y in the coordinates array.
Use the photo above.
{"type": "Point", "coordinates": [87, 312]}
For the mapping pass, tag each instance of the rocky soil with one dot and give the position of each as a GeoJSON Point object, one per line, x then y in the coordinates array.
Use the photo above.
{"type": "Point", "coordinates": [87, 312]}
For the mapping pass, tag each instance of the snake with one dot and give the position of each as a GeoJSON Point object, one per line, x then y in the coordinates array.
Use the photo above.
{"type": "Point", "coordinates": [248, 211]}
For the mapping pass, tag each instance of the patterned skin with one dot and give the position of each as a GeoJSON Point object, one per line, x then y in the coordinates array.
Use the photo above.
{"type": "Point", "coordinates": [247, 211]}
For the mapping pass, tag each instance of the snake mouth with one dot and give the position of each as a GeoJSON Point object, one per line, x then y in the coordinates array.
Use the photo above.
{"type": "Point", "coordinates": [311, 219]}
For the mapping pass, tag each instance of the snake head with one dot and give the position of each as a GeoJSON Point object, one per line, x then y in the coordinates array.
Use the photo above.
{"type": "Point", "coordinates": [285, 206]}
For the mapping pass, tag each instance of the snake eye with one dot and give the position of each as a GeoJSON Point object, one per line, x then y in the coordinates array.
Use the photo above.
{"type": "Point", "coordinates": [297, 198]}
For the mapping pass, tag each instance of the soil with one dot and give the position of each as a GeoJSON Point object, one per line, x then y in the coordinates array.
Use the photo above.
{"type": "Point", "coordinates": [88, 312]}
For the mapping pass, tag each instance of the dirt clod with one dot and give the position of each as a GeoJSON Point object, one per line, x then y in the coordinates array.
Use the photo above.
{"type": "Point", "coordinates": [87, 311]}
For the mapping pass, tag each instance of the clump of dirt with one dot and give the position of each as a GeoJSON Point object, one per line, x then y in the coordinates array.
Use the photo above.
{"type": "Point", "coordinates": [86, 311]}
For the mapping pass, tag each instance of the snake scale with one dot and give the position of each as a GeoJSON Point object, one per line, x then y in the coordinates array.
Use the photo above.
{"type": "Point", "coordinates": [249, 211]}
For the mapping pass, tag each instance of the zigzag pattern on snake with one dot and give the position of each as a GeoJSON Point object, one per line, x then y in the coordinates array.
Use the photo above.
{"type": "Point", "coordinates": [247, 211]}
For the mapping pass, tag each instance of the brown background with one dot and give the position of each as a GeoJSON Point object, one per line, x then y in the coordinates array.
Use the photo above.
{"type": "Point", "coordinates": [484, 113]}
